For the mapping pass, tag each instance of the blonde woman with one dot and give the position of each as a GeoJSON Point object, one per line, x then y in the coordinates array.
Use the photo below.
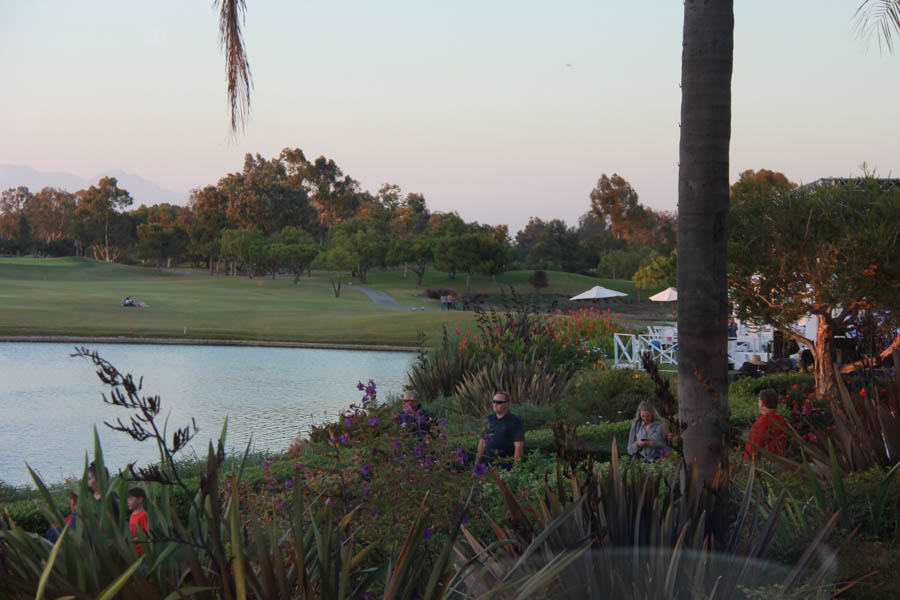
{"type": "Point", "coordinates": [648, 435]}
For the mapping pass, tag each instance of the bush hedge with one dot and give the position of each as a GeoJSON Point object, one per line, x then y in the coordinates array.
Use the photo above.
{"type": "Point", "coordinates": [595, 439]}
{"type": "Point", "coordinates": [605, 395]}
{"type": "Point", "coordinates": [743, 394]}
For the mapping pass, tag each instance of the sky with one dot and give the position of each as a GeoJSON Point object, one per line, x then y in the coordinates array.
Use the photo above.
{"type": "Point", "coordinates": [497, 110]}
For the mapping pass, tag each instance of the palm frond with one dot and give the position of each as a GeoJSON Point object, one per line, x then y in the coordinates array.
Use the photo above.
{"type": "Point", "coordinates": [237, 66]}
{"type": "Point", "coordinates": [878, 18]}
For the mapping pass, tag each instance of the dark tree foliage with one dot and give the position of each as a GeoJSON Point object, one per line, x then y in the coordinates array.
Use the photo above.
{"type": "Point", "coordinates": [829, 250]}
{"type": "Point", "coordinates": [538, 280]}
{"type": "Point", "coordinates": [616, 203]}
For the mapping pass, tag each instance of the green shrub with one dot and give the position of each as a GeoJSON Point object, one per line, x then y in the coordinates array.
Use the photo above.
{"type": "Point", "coordinates": [27, 515]}
{"type": "Point", "coordinates": [535, 416]}
{"type": "Point", "coordinates": [530, 380]}
{"type": "Point", "coordinates": [743, 394]}
{"type": "Point", "coordinates": [437, 372]}
{"type": "Point", "coordinates": [781, 383]}
{"type": "Point", "coordinates": [605, 395]}
{"type": "Point", "coordinates": [595, 439]}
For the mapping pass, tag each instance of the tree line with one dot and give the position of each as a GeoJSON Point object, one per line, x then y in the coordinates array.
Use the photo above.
{"type": "Point", "coordinates": [291, 214]}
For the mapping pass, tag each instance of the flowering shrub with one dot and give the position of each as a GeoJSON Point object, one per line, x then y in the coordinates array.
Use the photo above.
{"type": "Point", "coordinates": [571, 340]}
{"type": "Point", "coordinates": [814, 419]}
{"type": "Point", "coordinates": [383, 461]}
{"type": "Point", "coordinates": [520, 337]}
{"type": "Point", "coordinates": [805, 413]}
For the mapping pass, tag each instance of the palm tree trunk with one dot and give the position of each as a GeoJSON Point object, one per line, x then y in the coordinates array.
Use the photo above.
{"type": "Point", "coordinates": [706, 66]}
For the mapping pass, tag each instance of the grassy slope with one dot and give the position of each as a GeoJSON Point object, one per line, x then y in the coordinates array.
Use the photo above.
{"type": "Point", "coordinates": [566, 284]}
{"type": "Point", "coordinates": [74, 296]}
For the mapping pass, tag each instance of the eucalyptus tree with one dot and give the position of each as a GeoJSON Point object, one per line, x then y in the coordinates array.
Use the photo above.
{"type": "Point", "coordinates": [97, 210]}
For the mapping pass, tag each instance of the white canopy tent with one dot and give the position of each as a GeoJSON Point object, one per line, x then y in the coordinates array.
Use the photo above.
{"type": "Point", "coordinates": [667, 295]}
{"type": "Point", "coordinates": [598, 292]}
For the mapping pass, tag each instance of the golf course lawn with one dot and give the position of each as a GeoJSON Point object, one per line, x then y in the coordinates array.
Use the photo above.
{"type": "Point", "coordinates": [82, 297]}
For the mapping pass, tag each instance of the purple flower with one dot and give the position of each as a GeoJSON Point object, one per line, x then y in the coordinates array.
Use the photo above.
{"type": "Point", "coordinates": [367, 469]}
{"type": "Point", "coordinates": [480, 469]}
{"type": "Point", "coordinates": [360, 386]}
{"type": "Point", "coordinates": [427, 534]}
{"type": "Point", "coordinates": [374, 422]}
{"type": "Point", "coordinates": [345, 438]}
{"type": "Point", "coordinates": [365, 491]}
{"type": "Point", "coordinates": [428, 462]}
{"type": "Point", "coordinates": [281, 504]}
{"type": "Point", "coordinates": [348, 422]}
{"type": "Point", "coordinates": [418, 450]}
{"type": "Point", "coordinates": [460, 455]}
{"type": "Point", "coordinates": [288, 483]}
{"type": "Point", "coordinates": [376, 512]}
{"type": "Point", "coordinates": [396, 443]}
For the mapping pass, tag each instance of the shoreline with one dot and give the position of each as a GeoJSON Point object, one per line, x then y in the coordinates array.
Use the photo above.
{"type": "Point", "coordinates": [64, 339]}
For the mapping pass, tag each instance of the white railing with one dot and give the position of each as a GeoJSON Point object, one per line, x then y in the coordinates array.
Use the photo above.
{"type": "Point", "coordinates": [628, 349]}
{"type": "Point", "coordinates": [662, 344]}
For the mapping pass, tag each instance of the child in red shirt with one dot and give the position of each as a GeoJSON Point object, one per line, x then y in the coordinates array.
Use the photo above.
{"type": "Point", "coordinates": [138, 519]}
{"type": "Point", "coordinates": [55, 530]}
{"type": "Point", "coordinates": [770, 429]}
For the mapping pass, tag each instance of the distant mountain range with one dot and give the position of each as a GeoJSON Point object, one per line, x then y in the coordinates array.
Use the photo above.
{"type": "Point", "coordinates": [142, 190]}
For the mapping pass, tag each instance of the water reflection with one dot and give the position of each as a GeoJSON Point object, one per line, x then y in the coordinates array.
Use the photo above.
{"type": "Point", "coordinates": [49, 402]}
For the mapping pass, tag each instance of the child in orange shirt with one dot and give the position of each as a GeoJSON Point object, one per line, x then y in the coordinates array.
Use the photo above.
{"type": "Point", "coordinates": [138, 519]}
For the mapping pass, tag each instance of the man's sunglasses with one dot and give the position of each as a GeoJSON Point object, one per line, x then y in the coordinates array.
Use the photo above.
{"type": "Point", "coordinates": [500, 401]}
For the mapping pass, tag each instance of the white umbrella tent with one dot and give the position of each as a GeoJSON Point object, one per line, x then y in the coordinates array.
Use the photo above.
{"type": "Point", "coordinates": [598, 292]}
{"type": "Point", "coordinates": [667, 295]}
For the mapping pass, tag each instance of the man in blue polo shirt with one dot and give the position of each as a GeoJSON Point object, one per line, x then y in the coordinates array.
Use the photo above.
{"type": "Point", "coordinates": [504, 436]}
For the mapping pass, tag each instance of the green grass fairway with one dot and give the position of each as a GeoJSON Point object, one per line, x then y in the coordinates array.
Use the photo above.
{"type": "Point", "coordinates": [81, 297]}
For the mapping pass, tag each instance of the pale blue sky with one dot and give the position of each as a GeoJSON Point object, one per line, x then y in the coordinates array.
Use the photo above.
{"type": "Point", "coordinates": [473, 104]}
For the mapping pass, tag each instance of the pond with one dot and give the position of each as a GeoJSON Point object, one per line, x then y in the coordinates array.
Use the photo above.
{"type": "Point", "coordinates": [50, 402]}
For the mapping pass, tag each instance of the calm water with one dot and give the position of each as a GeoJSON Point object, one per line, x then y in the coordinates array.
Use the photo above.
{"type": "Point", "coordinates": [50, 402]}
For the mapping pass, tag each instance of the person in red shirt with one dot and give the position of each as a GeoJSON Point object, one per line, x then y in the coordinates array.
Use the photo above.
{"type": "Point", "coordinates": [55, 530]}
{"type": "Point", "coordinates": [770, 429]}
{"type": "Point", "coordinates": [138, 519]}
